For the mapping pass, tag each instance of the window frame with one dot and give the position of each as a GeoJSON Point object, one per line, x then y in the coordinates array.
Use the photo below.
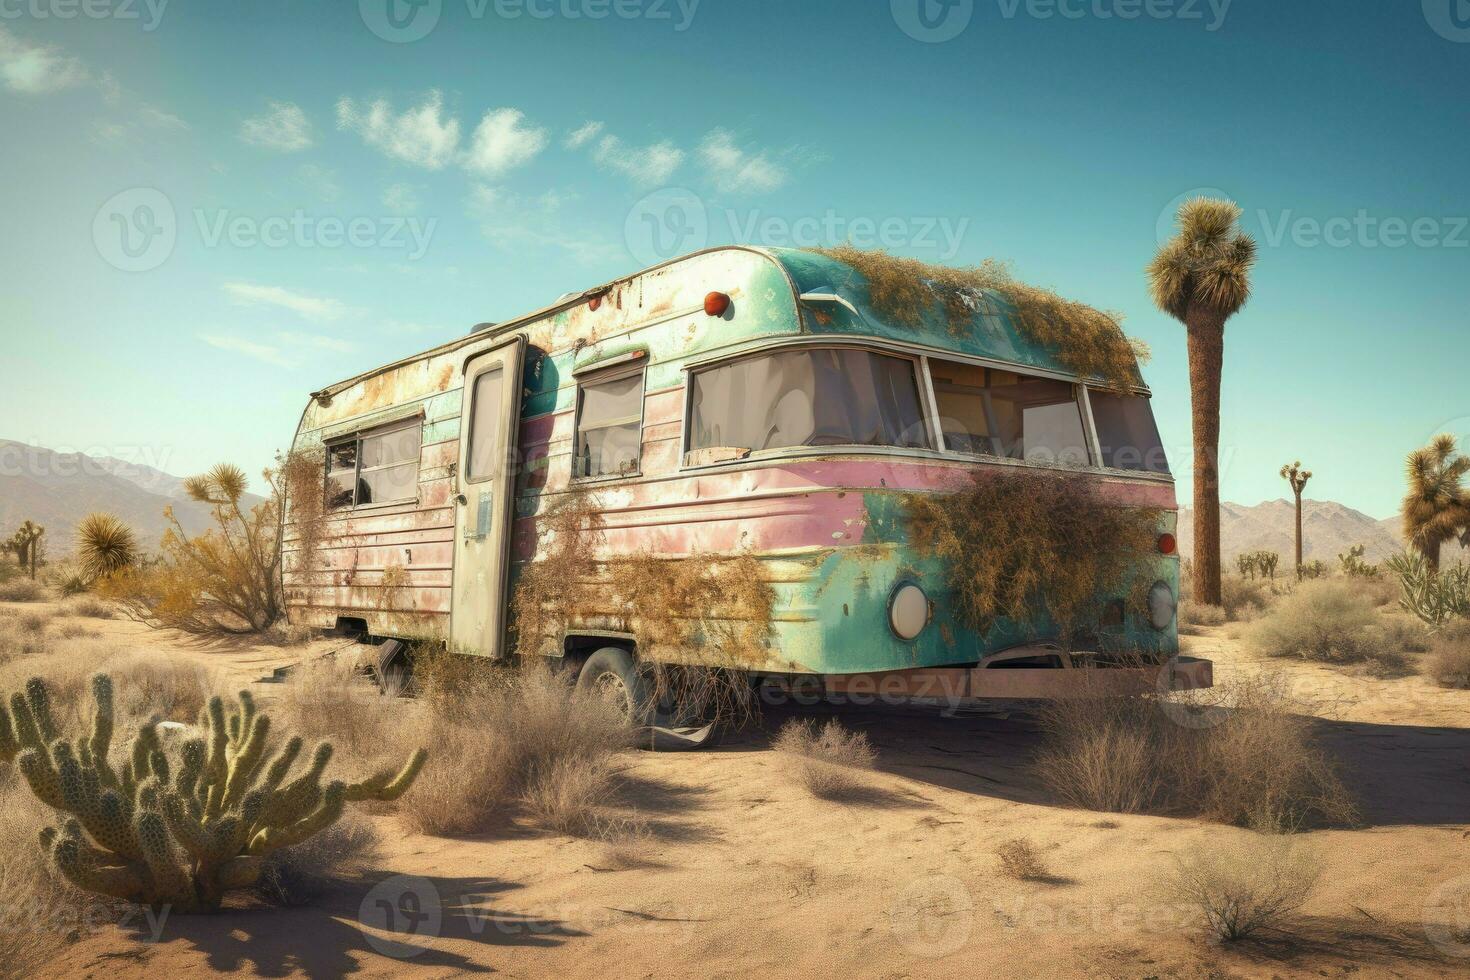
{"type": "Point", "coordinates": [921, 356]}
{"type": "Point", "coordinates": [596, 376]}
{"type": "Point", "coordinates": [921, 388]}
{"type": "Point", "coordinates": [356, 439]}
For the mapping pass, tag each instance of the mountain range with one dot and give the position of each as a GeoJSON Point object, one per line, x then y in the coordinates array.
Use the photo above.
{"type": "Point", "coordinates": [1328, 529]}
{"type": "Point", "coordinates": [56, 490]}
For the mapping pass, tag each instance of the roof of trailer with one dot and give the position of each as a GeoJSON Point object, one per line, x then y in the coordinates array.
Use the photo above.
{"type": "Point", "coordinates": [992, 332]}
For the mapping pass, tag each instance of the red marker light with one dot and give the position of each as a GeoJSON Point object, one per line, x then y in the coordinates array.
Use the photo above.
{"type": "Point", "coordinates": [715, 304]}
{"type": "Point", "coordinates": [1167, 544]}
{"type": "Point", "coordinates": [594, 302]}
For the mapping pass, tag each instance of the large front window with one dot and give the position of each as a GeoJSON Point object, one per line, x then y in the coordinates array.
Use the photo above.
{"type": "Point", "coordinates": [991, 412]}
{"type": "Point", "coordinates": [379, 467]}
{"type": "Point", "coordinates": [807, 397]}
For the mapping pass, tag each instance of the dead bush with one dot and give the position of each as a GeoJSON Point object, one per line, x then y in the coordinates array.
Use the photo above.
{"type": "Point", "coordinates": [525, 743]}
{"type": "Point", "coordinates": [1237, 755]}
{"type": "Point", "coordinates": [829, 761]}
{"type": "Point", "coordinates": [333, 699]}
{"type": "Point", "coordinates": [22, 590]}
{"type": "Point", "coordinates": [1022, 544]}
{"type": "Point", "coordinates": [1320, 620]}
{"type": "Point", "coordinates": [336, 856]}
{"type": "Point", "coordinates": [1243, 599]}
{"type": "Point", "coordinates": [88, 607]}
{"type": "Point", "coordinates": [1242, 888]}
{"type": "Point", "coordinates": [1195, 614]}
{"type": "Point", "coordinates": [1020, 859]}
{"type": "Point", "coordinates": [1088, 341]}
{"type": "Point", "coordinates": [1449, 656]}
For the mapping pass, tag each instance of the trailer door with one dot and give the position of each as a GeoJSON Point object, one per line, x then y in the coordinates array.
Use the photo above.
{"type": "Point", "coordinates": [485, 484]}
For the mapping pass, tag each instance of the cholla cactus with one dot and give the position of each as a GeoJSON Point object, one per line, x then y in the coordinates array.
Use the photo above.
{"type": "Point", "coordinates": [1353, 565]}
{"type": "Point", "coordinates": [175, 831]}
{"type": "Point", "coordinates": [1436, 597]}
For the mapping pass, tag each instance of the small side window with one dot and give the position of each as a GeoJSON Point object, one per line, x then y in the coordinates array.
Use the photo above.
{"type": "Point", "coordinates": [379, 467]}
{"type": "Point", "coordinates": [609, 426]}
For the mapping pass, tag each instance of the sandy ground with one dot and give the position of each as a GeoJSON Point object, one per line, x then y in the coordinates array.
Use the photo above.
{"type": "Point", "coordinates": [746, 874]}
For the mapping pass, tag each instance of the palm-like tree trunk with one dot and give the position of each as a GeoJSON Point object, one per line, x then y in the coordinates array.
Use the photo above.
{"type": "Point", "coordinates": [1206, 360]}
{"type": "Point", "coordinates": [1298, 534]}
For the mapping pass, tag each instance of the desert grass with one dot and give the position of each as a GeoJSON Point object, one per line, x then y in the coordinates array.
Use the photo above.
{"type": "Point", "coordinates": [1192, 614]}
{"type": "Point", "coordinates": [1087, 341]}
{"type": "Point", "coordinates": [1328, 622]}
{"type": "Point", "coordinates": [1241, 888]}
{"type": "Point", "coordinates": [829, 762]}
{"type": "Point", "coordinates": [1242, 757]}
{"type": "Point", "coordinates": [1010, 538]}
{"type": "Point", "coordinates": [1020, 859]}
{"type": "Point", "coordinates": [324, 862]}
{"type": "Point", "coordinates": [1449, 656]}
{"type": "Point", "coordinates": [333, 699]}
{"type": "Point", "coordinates": [22, 590]}
{"type": "Point", "coordinates": [525, 744]}
{"type": "Point", "coordinates": [1245, 599]}
{"type": "Point", "coordinates": [88, 606]}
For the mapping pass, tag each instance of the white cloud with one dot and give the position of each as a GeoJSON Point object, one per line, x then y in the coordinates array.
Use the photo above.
{"type": "Point", "coordinates": [37, 68]}
{"type": "Point", "coordinates": [315, 342]}
{"type": "Point", "coordinates": [284, 128]}
{"type": "Point", "coordinates": [653, 164]}
{"type": "Point", "coordinates": [514, 222]}
{"type": "Point", "coordinates": [582, 135]}
{"type": "Point", "coordinates": [261, 352]}
{"type": "Point", "coordinates": [736, 171]}
{"type": "Point", "coordinates": [421, 136]}
{"type": "Point", "coordinates": [319, 181]}
{"type": "Point", "coordinates": [310, 307]}
{"type": "Point", "coordinates": [401, 198]}
{"type": "Point", "coordinates": [502, 142]}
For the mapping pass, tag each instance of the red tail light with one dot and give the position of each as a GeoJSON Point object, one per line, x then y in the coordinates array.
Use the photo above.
{"type": "Point", "coordinates": [1167, 544]}
{"type": "Point", "coordinates": [715, 304]}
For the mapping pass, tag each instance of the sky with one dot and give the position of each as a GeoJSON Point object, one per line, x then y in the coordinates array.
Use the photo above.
{"type": "Point", "coordinates": [211, 209]}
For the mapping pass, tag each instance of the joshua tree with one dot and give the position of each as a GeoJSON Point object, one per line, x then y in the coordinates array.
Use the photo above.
{"type": "Point", "coordinates": [104, 545]}
{"type": "Point", "coordinates": [26, 543]}
{"type": "Point", "coordinates": [1297, 477]}
{"type": "Point", "coordinates": [1201, 277]}
{"type": "Point", "coordinates": [1436, 507]}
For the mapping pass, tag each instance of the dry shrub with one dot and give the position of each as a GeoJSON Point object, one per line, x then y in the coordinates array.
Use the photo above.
{"type": "Point", "coordinates": [1449, 656]}
{"type": "Point", "coordinates": [333, 699]}
{"type": "Point", "coordinates": [1243, 599]}
{"type": "Point", "coordinates": [1376, 591]}
{"type": "Point", "coordinates": [300, 874]}
{"type": "Point", "coordinates": [1242, 757]}
{"type": "Point", "coordinates": [228, 579]}
{"type": "Point", "coordinates": [89, 607]}
{"type": "Point", "coordinates": [523, 742]}
{"type": "Point", "coordinates": [1242, 888]}
{"type": "Point", "coordinates": [1087, 341]}
{"type": "Point", "coordinates": [829, 762]}
{"type": "Point", "coordinates": [1020, 859]}
{"type": "Point", "coordinates": [1323, 621]}
{"type": "Point", "coordinates": [22, 590]}
{"type": "Point", "coordinates": [709, 612]}
{"type": "Point", "coordinates": [1198, 614]}
{"type": "Point", "coordinates": [1021, 543]}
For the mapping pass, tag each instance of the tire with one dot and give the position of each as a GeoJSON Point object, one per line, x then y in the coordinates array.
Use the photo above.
{"type": "Point", "coordinates": [613, 674]}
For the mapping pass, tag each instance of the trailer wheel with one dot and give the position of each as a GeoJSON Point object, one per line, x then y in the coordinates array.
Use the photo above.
{"type": "Point", "coordinates": [612, 673]}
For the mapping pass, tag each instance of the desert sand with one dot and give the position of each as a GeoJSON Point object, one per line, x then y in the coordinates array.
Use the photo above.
{"type": "Point", "coordinates": [748, 875]}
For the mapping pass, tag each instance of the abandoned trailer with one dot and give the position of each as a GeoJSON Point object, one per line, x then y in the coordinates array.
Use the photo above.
{"type": "Point", "coordinates": [715, 461]}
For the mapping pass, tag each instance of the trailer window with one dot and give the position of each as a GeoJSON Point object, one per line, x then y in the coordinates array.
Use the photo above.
{"type": "Point", "coordinates": [1127, 434]}
{"type": "Point", "coordinates": [609, 426]}
{"type": "Point", "coordinates": [375, 467]}
{"type": "Point", "coordinates": [991, 412]}
{"type": "Point", "coordinates": [807, 397]}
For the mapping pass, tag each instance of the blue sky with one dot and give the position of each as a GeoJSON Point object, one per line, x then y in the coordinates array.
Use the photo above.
{"type": "Point", "coordinates": [306, 197]}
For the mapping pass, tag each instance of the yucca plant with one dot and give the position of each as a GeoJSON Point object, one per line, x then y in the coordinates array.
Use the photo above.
{"type": "Point", "coordinates": [1436, 506]}
{"type": "Point", "coordinates": [1297, 477]}
{"type": "Point", "coordinates": [1201, 277]}
{"type": "Point", "coordinates": [175, 829]}
{"type": "Point", "coordinates": [104, 545]}
{"type": "Point", "coordinates": [1435, 596]}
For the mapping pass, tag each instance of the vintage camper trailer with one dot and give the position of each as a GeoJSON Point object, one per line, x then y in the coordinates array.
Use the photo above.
{"type": "Point", "coordinates": [738, 400]}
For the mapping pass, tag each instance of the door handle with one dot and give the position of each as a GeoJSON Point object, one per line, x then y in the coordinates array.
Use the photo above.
{"type": "Point", "coordinates": [461, 499]}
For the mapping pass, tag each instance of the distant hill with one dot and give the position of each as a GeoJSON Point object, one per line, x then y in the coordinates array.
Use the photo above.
{"type": "Point", "coordinates": [1328, 529]}
{"type": "Point", "coordinates": [56, 490]}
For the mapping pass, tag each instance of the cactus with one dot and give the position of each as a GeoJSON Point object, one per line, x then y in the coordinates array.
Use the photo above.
{"type": "Point", "coordinates": [1353, 565]}
{"type": "Point", "coordinates": [175, 830]}
{"type": "Point", "coordinates": [1436, 597]}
